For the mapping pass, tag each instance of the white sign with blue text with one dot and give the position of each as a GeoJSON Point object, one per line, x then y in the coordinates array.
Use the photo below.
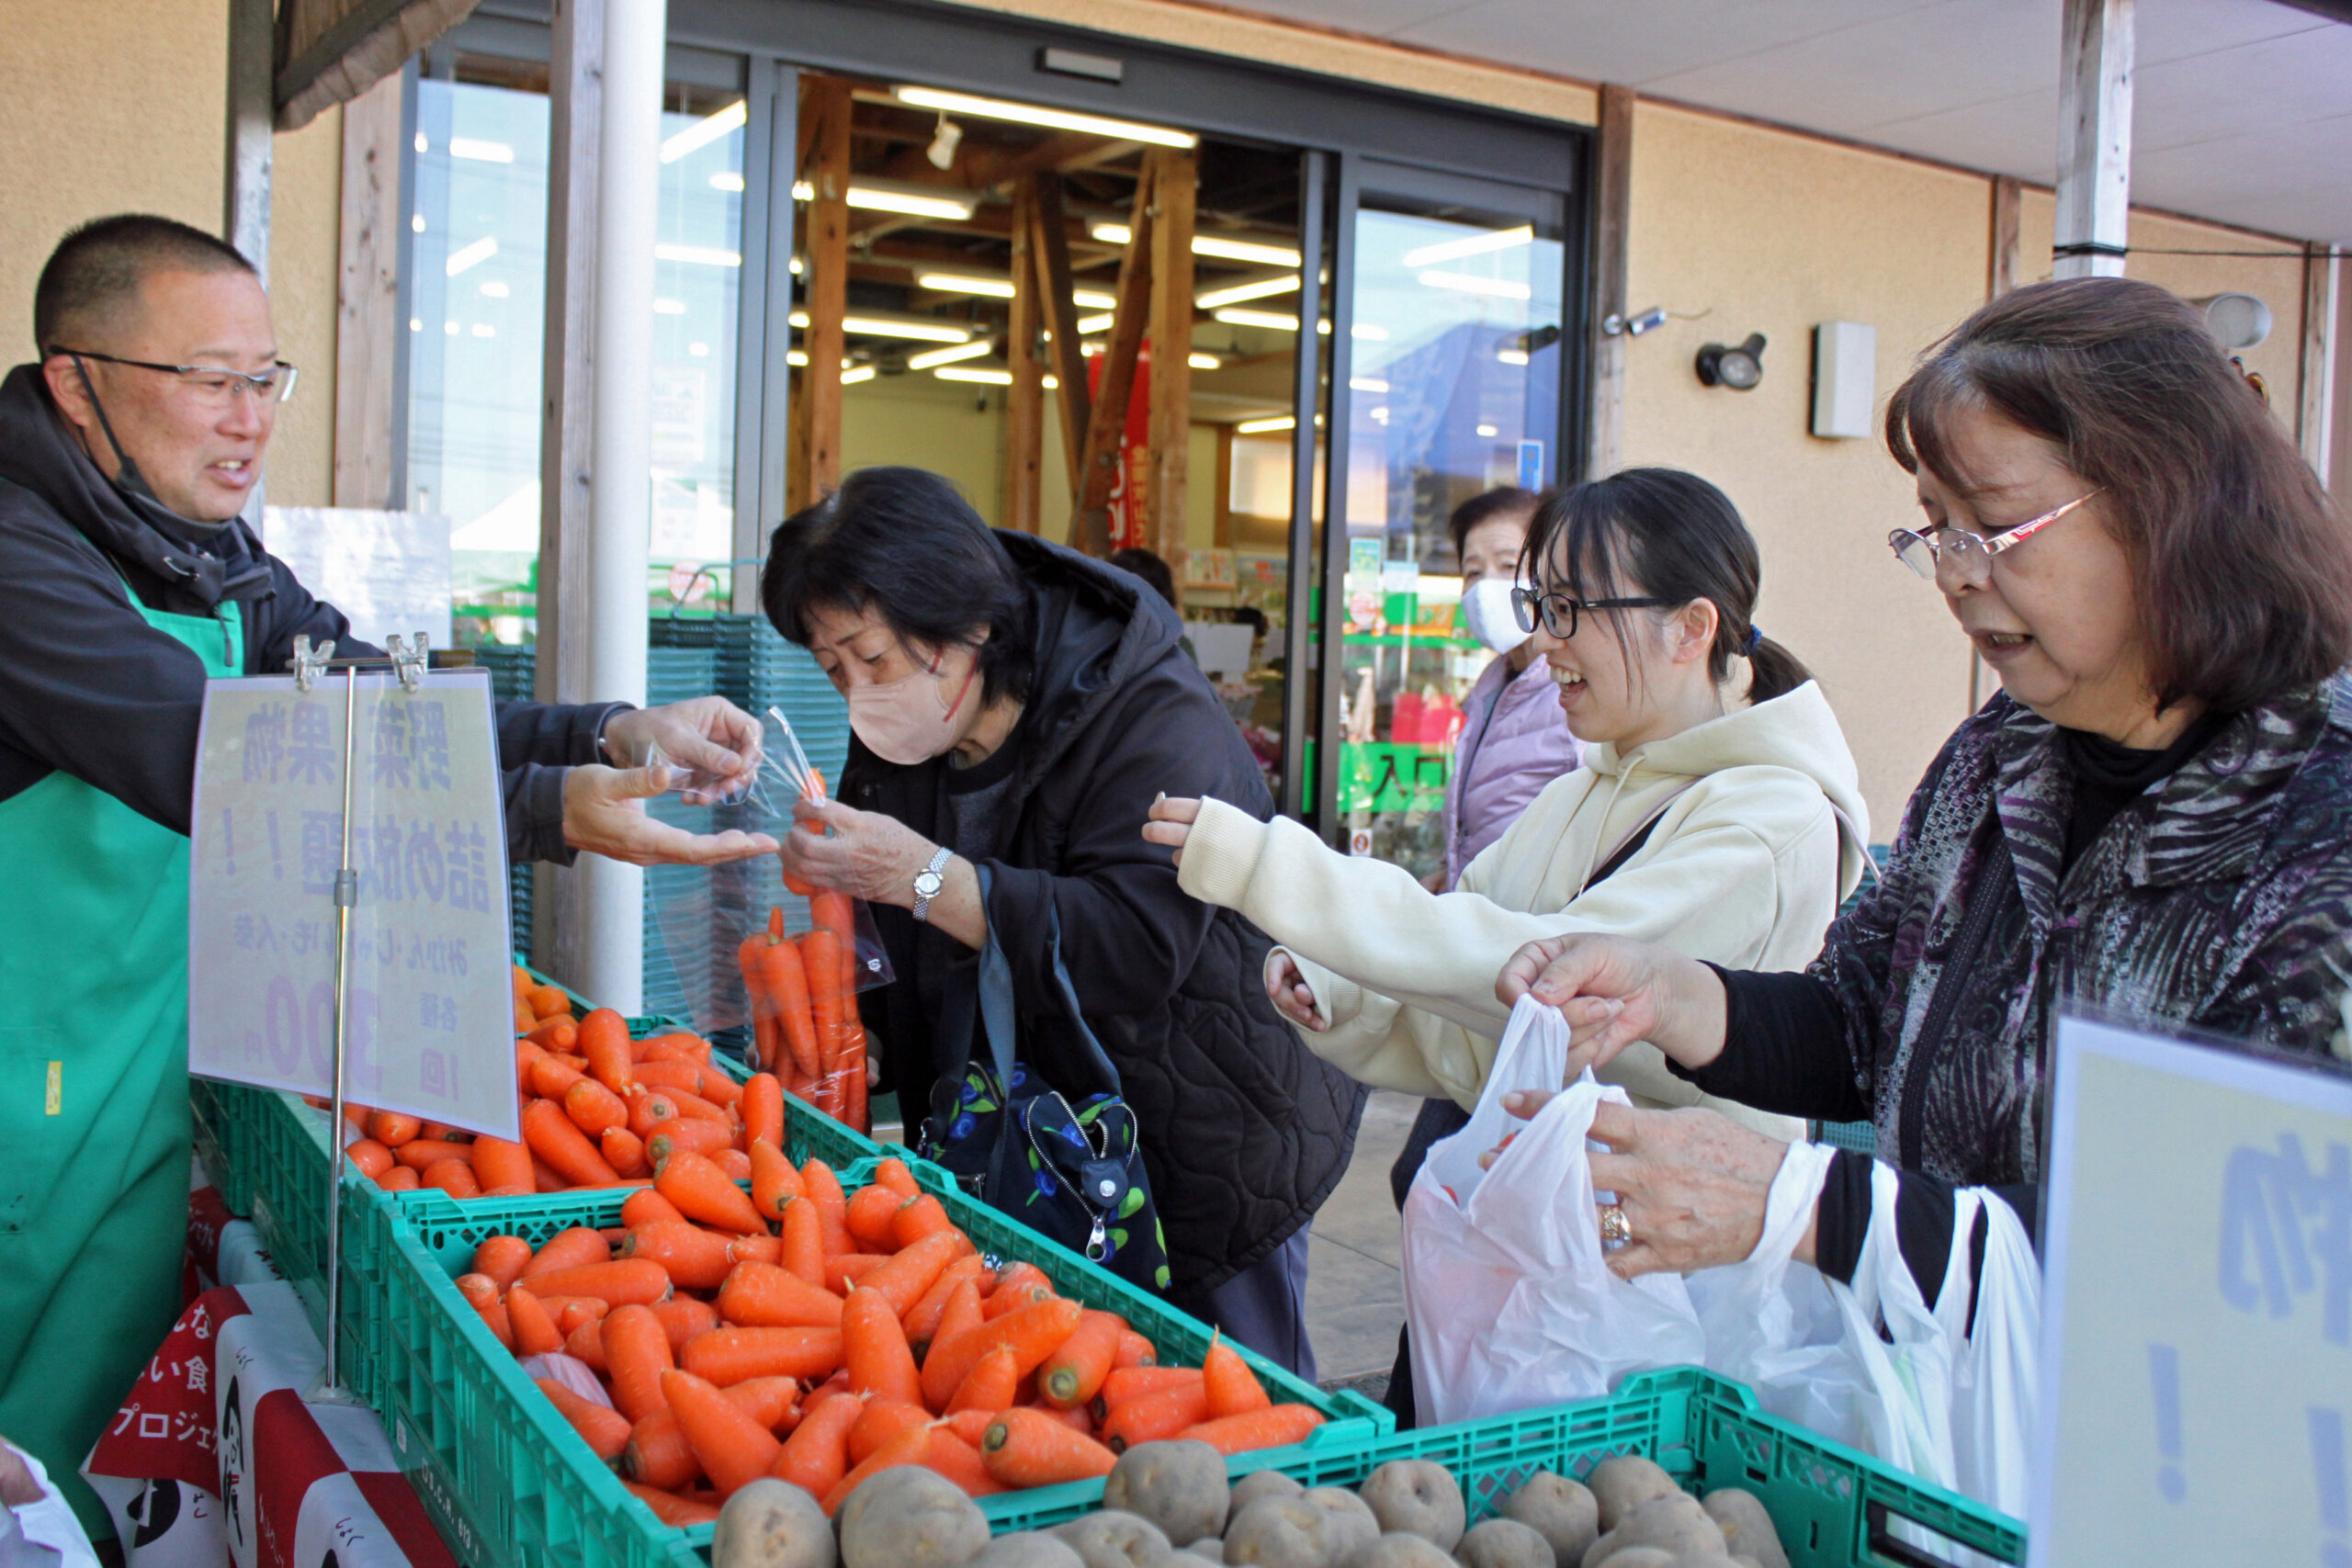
{"type": "Point", "coordinates": [2197, 1337]}
{"type": "Point", "coordinates": [429, 1026]}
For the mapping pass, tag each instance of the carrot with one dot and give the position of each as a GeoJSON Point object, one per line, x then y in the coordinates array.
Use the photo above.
{"type": "Point", "coordinates": [632, 1282]}
{"type": "Point", "coordinates": [786, 980]}
{"type": "Point", "coordinates": [733, 1449]}
{"type": "Point", "coordinates": [1131, 1382]}
{"type": "Point", "coordinates": [503, 1258]}
{"type": "Point", "coordinates": [1277, 1425]}
{"type": "Point", "coordinates": [772, 1177]}
{"type": "Point", "coordinates": [702, 1193]}
{"type": "Point", "coordinates": [1017, 1276]}
{"type": "Point", "coordinates": [670, 1073]}
{"type": "Point", "coordinates": [821, 956]}
{"type": "Point", "coordinates": [657, 1454]}
{"type": "Point", "coordinates": [843, 1272]}
{"type": "Point", "coordinates": [756, 1249]}
{"type": "Point", "coordinates": [482, 1293]}
{"type": "Point", "coordinates": [525, 1055]}
{"type": "Point", "coordinates": [728, 1356]}
{"type": "Point", "coordinates": [992, 1385]}
{"type": "Point", "coordinates": [816, 1456]}
{"type": "Point", "coordinates": [961, 1313]}
{"type": "Point", "coordinates": [575, 1310]}
{"type": "Point", "coordinates": [625, 1152]}
{"type": "Point", "coordinates": [958, 1459]}
{"type": "Point", "coordinates": [1008, 1299]}
{"type": "Point", "coordinates": [688, 1135]}
{"type": "Point", "coordinates": [774, 1403]}
{"type": "Point", "coordinates": [371, 1158]}
{"type": "Point", "coordinates": [552, 1137]}
{"type": "Point", "coordinates": [503, 1168]}
{"type": "Point", "coordinates": [802, 1246]}
{"type": "Point", "coordinates": [671, 1508]}
{"type": "Point", "coordinates": [970, 1425]}
{"type": "Point", "coordinates": [400, 1179]}
{"type": "Point", "coordinates": [698, 1107]}
{"type": "Point", "coordinates": [922, 1318]}
{"type": "Point", "coordinates": [732, 1163]}
{"type": "Point", "coordinates": [883, 1420]}
{"type": "Point", "coordinates": [607, 1430]}
{"type": "Point", "coordinates": [1148, 1418]}
{"type": "Point", "coordinates": [593, 1108]}
{"type": "Point", "coordinates": [917, 1218]}
{"type": "Point", "coordinates": [1135, 1350]}
{"type": "Point", "coordinates": [1233, 1388]}
{"type": "Point", "coordinates": [535, 1331]}
{"type": "Point", "coordinates": [904, 1279]}
{"type": "Point", "coordinates": [761, 1109]}
{"type": "Point", "coordinates": [454, 1177]}
{"type": "Point", "coordinates": [1080, 1420]}
{"type": "Point", "coordinates": [1074, 1373]}
{"type": "Point", "coordinates": [761, 1295]}
{"type": "Point", "coordinates": [874, 1347]}
{"type": "Point", "coordinates": [548, 1001]}
{"type": "Point", "coordinates": [1035, 1332]}
{"type": "Point", "coordinates": [636, 1352]}
{"type": "Point", "coordinates": [906, 1448]}
{"type": "Point", "coordinates": [604, 1039]}
{"type": "Point", "coordinates": [719, 1087]}
{"type": "Point", "coordinates": [551, 1076]}
{"type": "Point", "coordinates": [890, 1171]}
{"type": "Point", "coordinates": [421, 1155]}
{"type": "Point", "coordinates": [694, 1258]}
{"type": "Point", "coordinates": [678, 1045]}
{"type": "Point", "coordinates": [568, 1249]}
{"type": "Point", "coordinates": [391, 1128]}
{"type": "Point", "coordinates": [555, 1033]}
{"type": "Point", "coordinates": [682, 1318]}
{"type": "Point", "coordinates": [1028, 1448]}
{"type": "Point", "coordinates": [832, 1207]}
{"type": "Point", "coordinates": [645, 1206]}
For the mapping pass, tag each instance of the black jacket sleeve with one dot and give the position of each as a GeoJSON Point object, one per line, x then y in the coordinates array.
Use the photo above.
{"type": "Point", "coordinates": [1784, 1049]}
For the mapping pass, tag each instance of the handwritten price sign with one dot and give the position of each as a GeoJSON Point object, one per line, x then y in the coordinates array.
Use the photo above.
{"type": "Point", "coordinates": [2196, 1342]}
{"type": "Point", "coordinates": [429, 1025]}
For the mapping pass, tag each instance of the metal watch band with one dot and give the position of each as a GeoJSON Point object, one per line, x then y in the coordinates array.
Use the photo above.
{"type": "Point", "coordinates": [931, 873]}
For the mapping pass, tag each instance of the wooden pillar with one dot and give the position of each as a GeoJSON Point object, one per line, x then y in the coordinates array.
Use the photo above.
{"type": "Point", "coordinates": [1089, 527]}
{"type": "Point", "coordinates": [1612, 211]}
{"type": "Point", "coordinates": [1059, 313]}
{"type": "Point", "coordinates": [367, 324]}
{"type": "Point", "coordinates": [1175, 183]}
{"type": "Point", "coordinates": [1025, 404]}
{"type": "Point", "coordinates": [2093, 140]}
{"type": "Point", "coordinates": [2002, 267]}
{"type": "Point", "coordinates": [2315, 412]}
{"type": "Point", "coordinates": [816, 468]}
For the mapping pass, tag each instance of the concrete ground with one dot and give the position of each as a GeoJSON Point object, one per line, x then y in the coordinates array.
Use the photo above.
{"type": "Point", "coordinates": [1355, 1293]}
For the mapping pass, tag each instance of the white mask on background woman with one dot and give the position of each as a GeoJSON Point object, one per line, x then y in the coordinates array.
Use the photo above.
{"type": "Point", "coordinates": [1485, 611]}
{"type": "Point", "coordinates": [911, 719]}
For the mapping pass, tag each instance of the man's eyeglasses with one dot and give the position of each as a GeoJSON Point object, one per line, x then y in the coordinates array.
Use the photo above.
{"type": "Point", "coordinates": [214, 385]}
{"type": "Point", "coordinates": [1969, 556]}
{"type": "Point", "coordinates": [1559, 613]}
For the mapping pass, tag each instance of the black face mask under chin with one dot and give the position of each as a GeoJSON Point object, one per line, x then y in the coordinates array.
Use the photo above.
{"type": "Point", "coordinates": [127, 476]}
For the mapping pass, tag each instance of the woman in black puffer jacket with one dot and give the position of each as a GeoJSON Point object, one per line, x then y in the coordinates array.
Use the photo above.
{"type": "Point", "coordinates": [1016, 705]}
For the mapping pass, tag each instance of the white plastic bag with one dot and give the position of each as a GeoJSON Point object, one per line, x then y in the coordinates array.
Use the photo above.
{"type": "Point", "coordinates": [1994, 1375]}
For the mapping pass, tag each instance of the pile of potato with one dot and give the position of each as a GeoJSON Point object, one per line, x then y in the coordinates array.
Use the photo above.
{"type": "Point", "coordinates": [1167, 1505]}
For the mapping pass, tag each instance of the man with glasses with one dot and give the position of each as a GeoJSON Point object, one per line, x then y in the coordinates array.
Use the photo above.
{"type": "Point", "coordinates": [127, 453]}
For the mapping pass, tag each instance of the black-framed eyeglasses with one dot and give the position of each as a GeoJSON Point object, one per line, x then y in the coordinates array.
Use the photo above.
{"type": "Point", "coordinates": [1560, 613]}
{"type": "Point", "coordinates": [214, 385]}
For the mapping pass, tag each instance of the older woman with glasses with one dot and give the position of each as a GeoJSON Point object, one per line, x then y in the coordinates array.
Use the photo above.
{"type": "Point", "coordinates": [2153, 818]}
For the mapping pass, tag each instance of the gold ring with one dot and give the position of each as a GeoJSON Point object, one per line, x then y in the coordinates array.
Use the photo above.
{"type": "Point", "coordinates": [1616, 1230]}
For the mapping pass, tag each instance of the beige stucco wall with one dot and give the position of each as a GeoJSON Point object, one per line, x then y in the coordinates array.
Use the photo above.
{"type": "Point", "coordinates": [116, 105]}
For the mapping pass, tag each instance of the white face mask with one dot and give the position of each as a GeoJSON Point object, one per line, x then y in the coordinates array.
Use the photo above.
{"type": "Point", "coordinates": [1485, 611]}
{"type": "Point", "coordinates": [911, 719]}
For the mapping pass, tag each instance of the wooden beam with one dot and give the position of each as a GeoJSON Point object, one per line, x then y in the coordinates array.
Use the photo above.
{"type": "Point", "coordinates": [1025, 401]}
{"type": "Point", "coordinates": [2093, 140]}
{"type": "Point", "coordinates": [816, 469]}
{"type": "Point", "coordinates": [2315, 412]}
{"type": "Point", "coordinates": [1175, 186]}
{"type": "Point", "coordinates": [1223, 538]}
{"type": "Point", "coordinates": [1051, 252]}
{"type": "Point", "coordinates": [1611, 217]}
{"type": "Point", "coordinates": [2001, 268]}
{"type": "Point", "coordinates": [367, 307]}
{"type": "Point", "coordinates": [1089, 526]}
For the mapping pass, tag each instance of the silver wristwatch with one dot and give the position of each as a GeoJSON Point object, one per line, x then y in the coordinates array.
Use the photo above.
{"type": "Point", "coordinates": [929, 881]}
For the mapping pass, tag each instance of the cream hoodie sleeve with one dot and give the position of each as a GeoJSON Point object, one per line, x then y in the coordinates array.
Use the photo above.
{"type": "Point", "coordinates": [1710, 881]}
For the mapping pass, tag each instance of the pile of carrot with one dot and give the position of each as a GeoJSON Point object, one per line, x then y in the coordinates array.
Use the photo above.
{"type": "Point", "coordinates": [718, 1336]}
{"type": "Point", "coordinates": [803, 993]}
{"type": "Point", "coordinates": [598, 1108]}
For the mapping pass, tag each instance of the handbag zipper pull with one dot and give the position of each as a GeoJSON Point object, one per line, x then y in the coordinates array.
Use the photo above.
{"type": "Point", "coordinates": [1094, 1239]}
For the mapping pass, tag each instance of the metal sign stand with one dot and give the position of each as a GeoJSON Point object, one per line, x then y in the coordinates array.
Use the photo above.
{"type": "Point", "coordinates": [407, 663]}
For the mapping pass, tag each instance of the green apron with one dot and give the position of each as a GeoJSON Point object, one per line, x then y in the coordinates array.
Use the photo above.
{"type": "Point", "coordinates": [94, 1118]}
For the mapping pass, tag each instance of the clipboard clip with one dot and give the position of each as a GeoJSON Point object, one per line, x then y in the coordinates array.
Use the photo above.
{"type": "Point", "coordinates": [409, 661]}
{"type": "Point", "coordinates": [309, 663]}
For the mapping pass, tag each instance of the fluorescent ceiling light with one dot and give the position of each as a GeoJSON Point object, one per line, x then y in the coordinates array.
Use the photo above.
{"type": "Point", "coordinates": [931, 357]}
{"type": "Point", "coordinates": [699, 350]}
{"type": "Point", "coordinates": [471, 255]}
{"type": "Point", "coordinates": [857, 372]}
{"type": "Point", "coordinates": [493, 289]}
{"type": "Point", "coordinates": [1205, 362]}
{"type": "Point", "coordinates": [1368, 333]}
{"type": "Point", "coordinates": [915, 201]}
{"type": "Point", "coordinates": [1206, 245]}
{"type": "Point", "coordinates": [1366, 384]}
{"type": "Point", "coordinates": [1464, 283]}
{"type": "Point", "coordinates": [1095, 324]}
{"type": "Point", "coordinates": [1266, 426]}
{"type": "Point", "coordinates": [669, 307]}
{"type": "Point", "coordinates": [957, 283]}
{"type": "Point", "coordinates": [700, 255]}
{"type": "Point", "coordinates": [1250, 289]}
{"type": "Point", "coordinates": [1058, 119]}
{"type": "Point", "coordinates": [793, 356]}
{"type": "Point", "coordinates": [1052, 383]}
{"type": "Point", "coordinates": [1241, 318]}
{"type": "Point", "coordinates": [981, 374]}
{"type": "Point", "coordinates": [483, 329]}
{"type": "Point", "coordinates": [1095, 299]}
{"type": "Point", "coordinates": [727, 179]}
{"type": "Point", "coordinates": [915, 327]}
{"type": "Point", "coordinates": [479, 150]}
{"type": "Point", "coordinates": [1472, 246]}
{"type": "Point", "coordinates": [1511, 356]}
{"type": "Point", "coordinates": [706, 131]}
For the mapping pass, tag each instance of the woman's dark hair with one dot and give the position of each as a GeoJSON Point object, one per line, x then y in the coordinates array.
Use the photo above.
{"type": "Point", "coordinates": [1679, 538]}
{"type": "Point", "coordinates": [905, 544]}
{"type": "Point", "coordinates": [2240, 568]}
{"type": "Point", "coordinates": [1145, 564]}
{"type": "Point", "coordinates": [1508, 501]}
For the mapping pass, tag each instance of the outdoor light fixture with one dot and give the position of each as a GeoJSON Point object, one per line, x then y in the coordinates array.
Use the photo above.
{"type": "Point", "coordinates": [2236, 320]}
{"type": "Point", "coordinates": [931, 357]}
{"type": "Point", "coordinates": [1206, 245]}
{"type": "Point", "coordinates": [1474, 245]}
{"type": "Point", "coordinates": [1248, 288]}
{"type": "Point", "coordinates": [1056, 119]}
{"type": "Point", "coordinates": [1739, 367]}
{"type": "Point", "coordinates": [708, 130]}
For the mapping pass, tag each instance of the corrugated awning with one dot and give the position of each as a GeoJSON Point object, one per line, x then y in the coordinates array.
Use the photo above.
{"type": "Point", "coordinates": [330, 51]}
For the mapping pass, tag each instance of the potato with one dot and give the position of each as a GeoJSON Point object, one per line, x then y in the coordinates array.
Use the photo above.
{"type": "Point", "coordinates": [1353, 1525]}
{"type": "Point", "coordinates": [1292, 1532]}
{"type": "Point", "coordinates": [1562, 1511]}
{"type": "Point", "coordinates": [910, 1517]}
{"type": "Point", "coordinates": [1710, 1560]}
{"type": "Point", "coordinates": [1208, 1549]}
{"type": "Point", "coordinates": [1419, 1496]}
{"type": "Point", "coordinates": [1623, 1484]}
{"type": "Point", "coordinates": [1115, 1538]}
{"type": "Point", "coordinates": [1260, 1484]}
{"type": "Point", "coordinates": [1747, 1528]}
{"type": "Point", "coordinates": [1180, 1486]}
{"type": "Point", "coordinates": [1400, 1548]}
{"type": "Point", "coordinates": [772, 1523]}
{"type": "Point", "coordinates": [1677, 1524]}
{"type": "Point", "coordinates": [1506, 1544]}
{"type": "Point", "coordinates": [1644, 1557]}
{"type": "Point", "coordinates": [1026, 1549]}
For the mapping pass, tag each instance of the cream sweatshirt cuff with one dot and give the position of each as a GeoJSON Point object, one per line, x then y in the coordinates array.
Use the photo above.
{"type": "Point", "coordinates": [1221, 854]}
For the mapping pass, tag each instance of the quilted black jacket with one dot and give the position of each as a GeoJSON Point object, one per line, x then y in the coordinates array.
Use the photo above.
{"type": "Point", "coordinates": [1244, 1131]}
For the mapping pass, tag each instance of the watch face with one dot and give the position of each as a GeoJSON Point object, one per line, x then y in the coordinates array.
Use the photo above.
{"type": "Point", "coordinates": [927, 884]}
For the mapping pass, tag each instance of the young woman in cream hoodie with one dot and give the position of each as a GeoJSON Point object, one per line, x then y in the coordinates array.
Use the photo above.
{"type": "Point", "coordinates": [1717, 812]}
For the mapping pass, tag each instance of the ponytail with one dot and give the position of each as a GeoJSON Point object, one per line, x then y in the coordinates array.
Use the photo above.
{"type": "Point", "coordinates": [1773, 672]}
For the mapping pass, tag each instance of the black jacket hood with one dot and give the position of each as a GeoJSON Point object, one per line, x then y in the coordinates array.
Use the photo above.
{"type": "Point", "coordinates": [1097, 628]}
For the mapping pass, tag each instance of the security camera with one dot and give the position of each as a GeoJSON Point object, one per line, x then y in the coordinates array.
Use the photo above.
{"type": "Point", "coordinates": [1739, 367]}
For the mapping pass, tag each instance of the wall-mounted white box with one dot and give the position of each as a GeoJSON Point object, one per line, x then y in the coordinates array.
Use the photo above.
{"type": "Point", "coordinates": [1844, 379]}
